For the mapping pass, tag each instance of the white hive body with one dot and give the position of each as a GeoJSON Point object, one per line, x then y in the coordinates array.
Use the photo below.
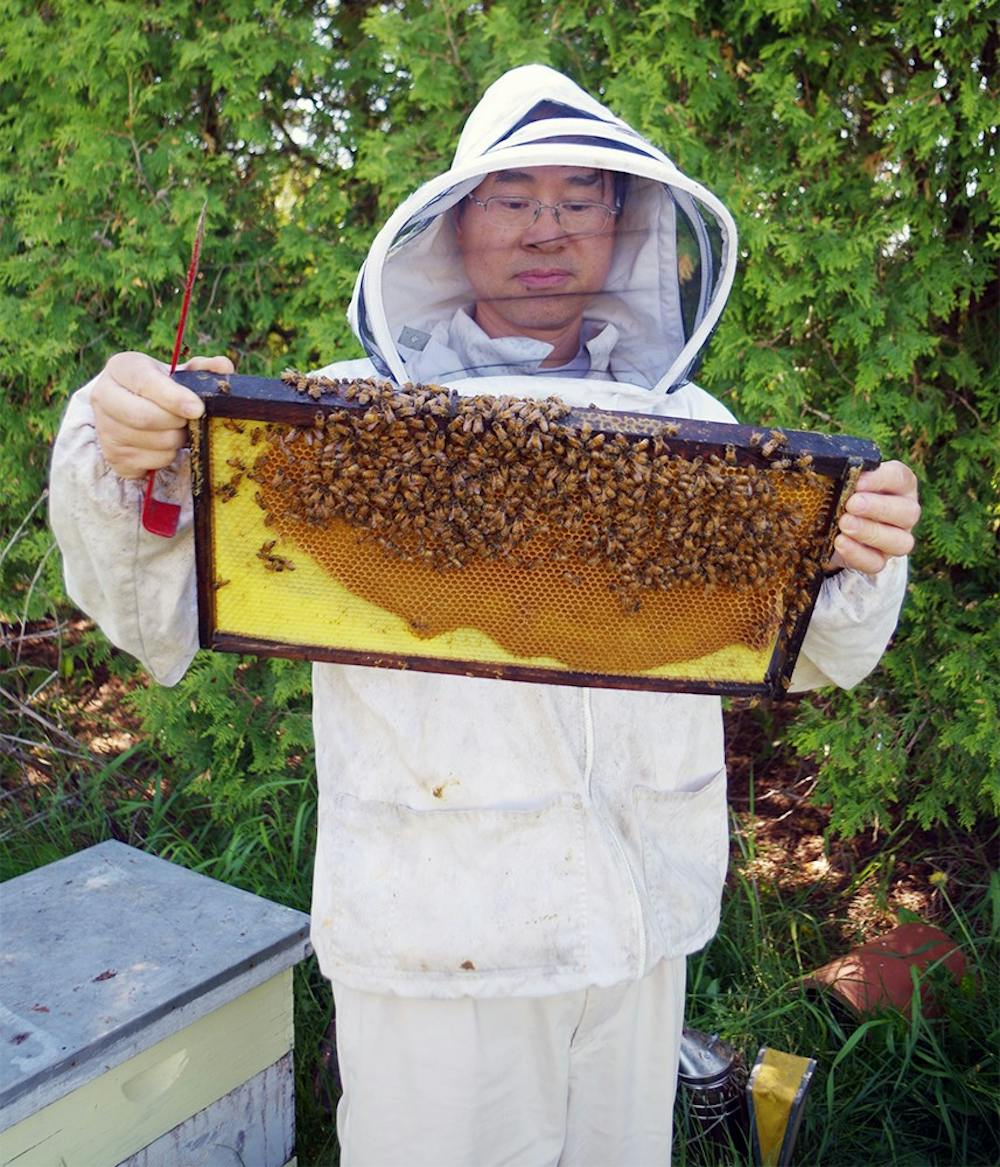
{"type": "Point", "coordinates": [149, 1011]}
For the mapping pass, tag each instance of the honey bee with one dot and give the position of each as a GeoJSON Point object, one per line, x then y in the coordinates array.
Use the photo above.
{"type": "Point", "coordinates": [278, 563]}
{"type": "Point", "coordinates": [775, 439]}
{"type": "Point", "coordinates": [227, 490]}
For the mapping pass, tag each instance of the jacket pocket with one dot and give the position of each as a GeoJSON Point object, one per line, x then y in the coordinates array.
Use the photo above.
{"type": "Point", "coordinates": [685, 849]}
{"type": "Point", "coordinates": [438, 891]}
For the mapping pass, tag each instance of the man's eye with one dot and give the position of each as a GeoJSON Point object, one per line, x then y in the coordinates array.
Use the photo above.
{"type": "Point", "coordinates": [512, 204]}
{"type": "Point", "coordinates": [577, 208]}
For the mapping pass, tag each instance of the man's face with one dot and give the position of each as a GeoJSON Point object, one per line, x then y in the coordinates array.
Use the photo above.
{"type": "Point", "coordinates": [535, 280]}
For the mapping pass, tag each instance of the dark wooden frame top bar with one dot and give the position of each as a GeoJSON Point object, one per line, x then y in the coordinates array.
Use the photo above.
{"type": "Point", "coordinates": [839, 457]}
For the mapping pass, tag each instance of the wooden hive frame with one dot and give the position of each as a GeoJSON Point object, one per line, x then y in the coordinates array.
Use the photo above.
{"type": "Point", "coordinates": [359, 523]}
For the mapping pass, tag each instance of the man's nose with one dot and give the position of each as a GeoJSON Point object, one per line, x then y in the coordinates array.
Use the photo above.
{"type": "Point", "coordinates": [545, 231]}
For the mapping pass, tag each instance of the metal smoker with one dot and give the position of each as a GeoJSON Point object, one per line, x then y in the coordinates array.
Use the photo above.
{"type": "Point", "coordinates": [713, 1079]}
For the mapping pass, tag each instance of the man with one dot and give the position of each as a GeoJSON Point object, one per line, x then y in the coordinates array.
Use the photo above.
{"type": "Point", "coordinates": [508, 876]}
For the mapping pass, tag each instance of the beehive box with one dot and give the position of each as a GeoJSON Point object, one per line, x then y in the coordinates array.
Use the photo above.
{"type": "Point", "coordinates": [502, 537]}
{"type": "Point", "coordinates": [145, 1017]}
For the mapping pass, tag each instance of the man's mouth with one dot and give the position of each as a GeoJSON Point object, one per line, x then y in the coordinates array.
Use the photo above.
{"type": "Point", "coordinates": [547, 277]}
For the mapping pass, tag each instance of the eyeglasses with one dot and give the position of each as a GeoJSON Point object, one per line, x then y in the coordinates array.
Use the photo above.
{"type": "Point", "coordinates": [576, 217]}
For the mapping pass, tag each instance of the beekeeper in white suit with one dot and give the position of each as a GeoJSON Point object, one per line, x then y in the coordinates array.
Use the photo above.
{"type": "Point", "coordinates": [509, 876]}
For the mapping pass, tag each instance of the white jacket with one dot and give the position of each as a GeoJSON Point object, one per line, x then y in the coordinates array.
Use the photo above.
{"type": "Point", "coordinates": [476, 836]}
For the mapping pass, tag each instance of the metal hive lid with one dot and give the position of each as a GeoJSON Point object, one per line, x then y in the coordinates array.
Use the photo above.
{"type": "Point", "coordinates": [109, 950]}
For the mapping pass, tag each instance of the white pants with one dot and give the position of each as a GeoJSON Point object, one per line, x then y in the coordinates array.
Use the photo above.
{"type": "Point", "coordinates": [584, 1079]}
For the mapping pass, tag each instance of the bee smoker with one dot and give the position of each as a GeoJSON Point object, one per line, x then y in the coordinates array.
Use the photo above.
{"type": "Point", "coordinates": [713, 1079]}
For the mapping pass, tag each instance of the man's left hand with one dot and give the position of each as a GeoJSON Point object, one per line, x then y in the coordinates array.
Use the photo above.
{"type": "Point", "coordinates": [877, 520]}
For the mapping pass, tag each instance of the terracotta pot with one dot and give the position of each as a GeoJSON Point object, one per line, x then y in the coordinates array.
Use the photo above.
{"type": "Point", "coordinates": [876, 975]}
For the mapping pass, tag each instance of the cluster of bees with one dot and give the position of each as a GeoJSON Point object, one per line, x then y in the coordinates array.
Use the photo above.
{"type": "Point", "coordinates": [432, 476]}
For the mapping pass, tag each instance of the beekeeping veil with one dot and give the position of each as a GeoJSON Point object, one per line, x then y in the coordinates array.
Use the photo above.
{"type": "Point", "coordinates": [674, 258]}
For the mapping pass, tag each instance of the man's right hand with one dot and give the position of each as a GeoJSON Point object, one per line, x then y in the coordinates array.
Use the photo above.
{"type": "Point", "coordinates": [141, 415]}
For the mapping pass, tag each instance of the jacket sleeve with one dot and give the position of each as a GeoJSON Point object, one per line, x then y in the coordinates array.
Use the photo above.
{"type": "Point", "coordinates": [854, 618]}
{"type": "Point", "coordinates": [140, 588]}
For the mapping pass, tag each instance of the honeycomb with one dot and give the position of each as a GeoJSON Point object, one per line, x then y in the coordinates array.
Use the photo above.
{"type": "Point", "coordinates": [413, 523]}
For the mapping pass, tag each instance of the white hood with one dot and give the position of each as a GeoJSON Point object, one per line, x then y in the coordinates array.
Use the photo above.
{"type": "Point", "coordinates": [675, 248]}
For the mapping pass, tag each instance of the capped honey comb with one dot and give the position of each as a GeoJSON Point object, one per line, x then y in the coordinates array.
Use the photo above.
{"type": "Point", "coordinates": [497, 536]}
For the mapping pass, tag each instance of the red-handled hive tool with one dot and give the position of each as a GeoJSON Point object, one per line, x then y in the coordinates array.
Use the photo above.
{"type": "Point", "coordinates": [159, 517]}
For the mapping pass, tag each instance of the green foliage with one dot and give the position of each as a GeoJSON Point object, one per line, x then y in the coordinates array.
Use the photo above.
{"type": "Point", "coordinates": [243, 727]}
{"type": "Point", "coordinates": [934, 756]}
{"type": "Point", "coordinates": [854, 143]}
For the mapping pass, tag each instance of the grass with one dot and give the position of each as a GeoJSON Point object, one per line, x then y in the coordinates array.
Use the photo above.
{"type": "Point", "coordinates": [78, 766]}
